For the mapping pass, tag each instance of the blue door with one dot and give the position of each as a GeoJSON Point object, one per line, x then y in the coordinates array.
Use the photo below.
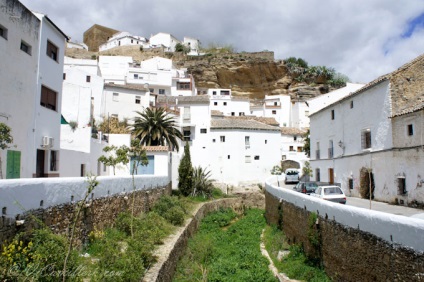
{"type": "Point", "coordinates": [149, 169]}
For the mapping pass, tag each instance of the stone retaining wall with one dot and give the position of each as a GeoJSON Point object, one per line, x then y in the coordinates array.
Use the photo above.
{"type": "Point", "coordinates": [173, 248]}
{"type": "Point", "coordinates": [97, 213]}
{"type": "Point", "coordinates": [346, 253]}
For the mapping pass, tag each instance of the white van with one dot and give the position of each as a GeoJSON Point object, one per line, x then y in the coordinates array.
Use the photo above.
{"type": "Point", "coordinates": [292, 175]}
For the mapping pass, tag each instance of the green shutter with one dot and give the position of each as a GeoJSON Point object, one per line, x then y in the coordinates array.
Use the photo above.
{"type": "Point", "coordinates": [13, 168]}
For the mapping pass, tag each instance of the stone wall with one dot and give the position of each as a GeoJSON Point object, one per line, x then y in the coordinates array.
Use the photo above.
{"type": "Point", "coordinates": [173, 248]}
{"type": "Point", "coordinates": [97, 213]}
{"type": "Point", "coordinates": [346, 253]}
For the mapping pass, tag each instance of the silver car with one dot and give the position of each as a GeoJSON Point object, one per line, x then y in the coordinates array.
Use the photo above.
{"type": "Point", "coordinates": [330, 193]}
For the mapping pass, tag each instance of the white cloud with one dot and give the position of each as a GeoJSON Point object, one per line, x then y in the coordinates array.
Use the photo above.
{"type": "Point", "coordinates": [360, 38]}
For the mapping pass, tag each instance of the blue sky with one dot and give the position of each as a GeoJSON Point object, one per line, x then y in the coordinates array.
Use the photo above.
{"type": "Point", "coordinates": [360, 38]}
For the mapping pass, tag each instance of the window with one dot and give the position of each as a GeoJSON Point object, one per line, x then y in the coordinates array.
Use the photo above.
{"type": "Point", "coordinates": [3, 32]}
{"type": "Point", "coordinates": [274, 112]}
{"type": "Point", "coordinates": [228, 157]}
{"type": "Point", "coordinates": [183, 86]}
{"type": "Point", "coordinates": [306, 113]}
{"type": "Point", "coordinates": [350, 183]}
{"type": "Point", "coordinates": [213, 92]}
{"type": "Point", "coordinates": [275, 104]}
{"type": "Point", "coordinates": [213, 140]}
{"type": "Point", "coordinates": [26, 47]}
{"type": "Point", "coordinates": [186, 134]}
{"type": "Point", "coordinates": [53, 161]}
{"type": "Point", "coordinates": [225, 92]}
{"type": "Point", "coordinates": [151, 90]}
{"type": "Point", "coordinates": [256, 158]}
{"type": "Point", "coordinates": [351, 104]}
{"type": "Point", "coordinates": [299, 149]}
{"type": "Point", "coordinates": [317, 153]}
{"type": "Point", "coordinates": [203, 130]}
{"type": "Point", "coordinates": [225, 103]}
{"type": "Point", "coordinates": [115, 97]}
{"type": "Point", "coordinates": [162, 91]}
{"type": "Point", "coordinates": [366, 139]}
{"type": "Point", "coordinates": [241, 114]}
{"type": "Point", "coordinates": [137, 99]}
{"type": "Point", "coordinates": [247, 159]}
{"type": "Point", "coordinates": [294, 138]}
{"type": "Point", "coordinates": [215, 103]}
{"type": "Point", "coordinates": [222, 138]}
{"type": "Point", "coordinates": [332, 114]}
{"type": "Point", "coordinates": [317, 175]}
{"type": "Point", "coordinates": [247, 142]}
{"type": "Point", "coordinates": [64, 76]}
{"type": "Point", "coordinates": [266, 141]}
{"type": "Point", "coordinates": [401, 185]}
{"type": "Point", "coordinates": [52, 51]}
{"type": "Point", "coordinates": [410, 129]}
{"type": "Point", "coordinates": [131, 41]}
{"type": "Point", "coordinates": [283, 157]}
{"type": "Point", "coordinates": [87, 78]}
{"type": "Point", "coordinates": [233, 113]}
{"type": "Point", "coordinates": [82, 171]}
{"type": "Point", "coordinates": [291, 149]}
{"type": "Point", "coordinates": [136, 76]}
{"type": "Point", "coordinates": [330, 149]}
{"type": "Point", "coordinates": [48, 98]}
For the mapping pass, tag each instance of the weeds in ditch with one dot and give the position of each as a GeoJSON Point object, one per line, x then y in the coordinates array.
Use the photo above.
{"type": "Point", "coordinates": [295, 265]}
{"type": "Point", "coordinates": [225, 249]}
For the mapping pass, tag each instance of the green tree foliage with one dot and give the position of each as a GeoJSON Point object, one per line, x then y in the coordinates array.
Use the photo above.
{"type": "Point", "coordinates": [307, 143]}
{"type": "Point", "coordinates": [179, 47]}
{"type": "Point", "coordinates": [154, 127]}
{"type": "Point", "coordinates": [185, 173]}
{"type": "Point", "coordinates": [5, 140]}
{"type": "Point", "coordinates": [202, 184]}
{"type": "Point", "coordinates": [137, 153]}
{"type": "Point", "coordinates": [307, 170]}
{"type": "Point", "coordinates": [115, 155]}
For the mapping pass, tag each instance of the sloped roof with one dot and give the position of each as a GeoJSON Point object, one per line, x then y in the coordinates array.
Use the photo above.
{"type": "Point", "coordinates": [265, 120]}
{"type": "Point", "coordinates": [231, 123]}
{"type": "Point", "coordinates": [406, 87]}
{"type": "Point", "coordinates": [199, 99]}
{"type": "Point", "coordinates": [292, 131]}
{"type": "Point", "coordinates": [128, 86]}
{"type": "Point", "coordinates": [409, 110]}
{"type": "Point", "coordinates": [216, 113]}
{"type": "Point", "coordinates": [156, 148]}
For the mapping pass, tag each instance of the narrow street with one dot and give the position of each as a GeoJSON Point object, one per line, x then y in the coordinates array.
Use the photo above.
{"type": "Point", "coordinates": [377, 206]}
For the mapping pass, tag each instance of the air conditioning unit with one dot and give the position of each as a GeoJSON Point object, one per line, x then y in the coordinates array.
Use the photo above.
{"type": "Point", "coordinates": [47, 142]}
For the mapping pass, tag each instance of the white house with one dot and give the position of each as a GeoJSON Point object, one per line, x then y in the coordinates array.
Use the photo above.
{"type": "Point", "coordinates": [33, 50]}
{"type": "Point", "coordinates": [278, 107]}
{"type": "Point", "coordinates": [164, 39]}
{"type": "Point", "coordinates": [292, 143]}
{"type": "Point", "coordinates": [193, 44]}
{"type": "Point", "coordinates": [123, 39]}
{"type": "Point", "coordinates": [114, 69]}
{"type": "Point", "coordinates": [76, 45]}
{"type": "Point", "coordinates": [222, 100]}
{"type": "Point", "coordinates": [374, 130]}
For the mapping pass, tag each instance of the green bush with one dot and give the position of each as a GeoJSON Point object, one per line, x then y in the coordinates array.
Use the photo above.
{"type": "Point", "coordinates": [171, 208]}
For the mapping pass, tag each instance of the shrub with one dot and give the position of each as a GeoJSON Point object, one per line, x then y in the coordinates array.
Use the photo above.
{"type": "Point", "coordinates": [171, 209]}
{"type": "Point", "coordinates": [276, 170]}
{"type": "Point", "coordinates": [185, 173]}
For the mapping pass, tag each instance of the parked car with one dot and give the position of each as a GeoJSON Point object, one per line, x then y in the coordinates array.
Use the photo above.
{"type": "Point", "coordinates": [292, 175]}
{"type": "Point", "coordinates": [306, 187]}
{"type": "Point", "coordinates": [330, 193]}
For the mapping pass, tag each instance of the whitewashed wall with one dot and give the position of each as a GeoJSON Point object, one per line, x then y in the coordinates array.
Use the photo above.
{"type": "Point", "coordinates": [401, 230]}
{"type": "Point", "coordinates": [21, 195]}
{"type": "Point", "coordinates": [19, 82]}
{"type": "Point", "coordinates": [114, 68]}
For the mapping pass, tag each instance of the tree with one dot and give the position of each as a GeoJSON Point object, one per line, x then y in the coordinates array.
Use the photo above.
{"type": "Point", "coordinates": [307, 143]}
{"type": "Point", "coordinates": [154, 127]}
{"type": "Point", "coordinates": [113, 125]}
{"type": "Point", "coordinates": [181, 48]}
{"type": "Point", "coordinates": [202, 184]}
{"type": "Point", "coordinates": [185, 173]}
{"type": "Point", "coordinates": [5, 140]}
{"type": "Point", "coordinates": [116, 155]}
{"type": "Point", "coordinates": [307, 170]}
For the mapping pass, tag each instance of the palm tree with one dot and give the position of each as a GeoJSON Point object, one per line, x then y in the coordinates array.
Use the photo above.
{"type": "Point", "coordinates": [154, 127]}
{"type": "Point", "coordinates": [202, 184]}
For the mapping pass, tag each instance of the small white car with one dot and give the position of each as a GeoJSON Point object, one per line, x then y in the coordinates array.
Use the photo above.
{"type": "Point", "coordinates": [292, 175]}
{"type": "Point", "coordinates": [330, 193]}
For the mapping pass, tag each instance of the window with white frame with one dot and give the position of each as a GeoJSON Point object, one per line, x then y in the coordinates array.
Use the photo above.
{"type": "Point", "coordinates": [162, 91]}
{"type": "Point", "coordinates": [274, 112]}
{"type": "Point", "coordinates": [256, 158]}
{"type": "Point", "coordinates": [366, 139]}
{"type": "Point", "coordinates": [137, 99]}
{"type": "Point", "coordinates": [203, 130]}
{"type": "Point", "coordinates": [115, 97]}
{"type": "Point", "coordinates": [247, 159]}
{"type": "Point", "coordinates": [187, 134]}
{"type": "Point", "coordinates": [222, 138]}
{"type": "Point", "coordinates": [247, 142]}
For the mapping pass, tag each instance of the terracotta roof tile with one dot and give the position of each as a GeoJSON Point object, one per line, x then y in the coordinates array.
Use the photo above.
{"type": "Point", "coordinates": [265, 120]}
{"type": "Point", "coordinates": [292, 131]}
{"type": "Point", "coordinates": [156, 148]}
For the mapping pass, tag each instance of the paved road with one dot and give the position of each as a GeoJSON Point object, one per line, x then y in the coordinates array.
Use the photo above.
{"type": "Point", "coordinates": [377, 206]}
